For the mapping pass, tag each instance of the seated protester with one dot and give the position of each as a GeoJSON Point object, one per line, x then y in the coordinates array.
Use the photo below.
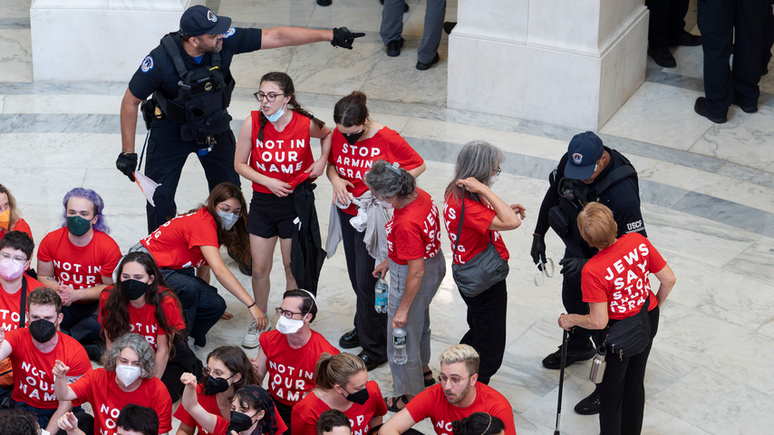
{"type": "Point", "coordinates": [457, 396]}
{"type": "Point", "coordinates": [333, 422]}
{"type": "Point", "coordinates": [10, 218]}
{"type": "Point", "coordinates": [252, 411]}
{"type": "Point", "coordinates": [128, 377]}
{"type": "Point", "coordinates": [77, 261]}
{"type": "Point", "coordinates": [133, 420]}
{"type": "Point", "coordinates": [15, 252]}
{"type": "Point", "coordinates": [228, 369]}
{"type": "Point", "coordinates": [33, 350]}
{"type": "Point", "coordinates": [289, 353]}
{"type": "Point", "coordinates": [478, 423]}
{"type": "Point", "coordinates": [141, 302]}
{"type": "Point", "coordinates": [19, 422]}
{"type": "Point", "coordinates": [341, 382]}
{"type": "Point", "coordinates": [192, 241]}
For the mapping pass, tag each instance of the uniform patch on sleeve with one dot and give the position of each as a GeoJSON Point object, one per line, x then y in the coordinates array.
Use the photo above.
{"type": "Point", "coordinates": [229, 32]}
{"type": "Point", "coordinates": [147, 64]}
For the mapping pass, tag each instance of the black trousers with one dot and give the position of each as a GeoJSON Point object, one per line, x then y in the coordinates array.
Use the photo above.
{"type": "Point", "coordinates": [371, 326]}
{"type": "Point", "coordinates": [732, 26]}
{"type": "Point", "coordinates": [622, 391]}
{"type": "Point", "coordinates": [487, 319]}
{"type": "Point", "coordinates": [667, 21]}
{"type": "Point", "coordinates": [572, 298]}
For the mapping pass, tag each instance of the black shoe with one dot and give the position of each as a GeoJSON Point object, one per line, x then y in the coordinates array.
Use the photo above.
{"type": "Point", "coordinates": [745, 109]}
{"type": "Point", "coordinates": [349, 340]}
{"type": "Point", "coordinates": [324, 2]}
{"type": "Point", "coordinates": [425, 66]}
{"type": "Point", "coordinates": [405, 6]}
{"type": "Point", "coordinates": [554, 360]}
{"type": "Point", "coordinates": [589, 405]}
{"type": "Point", "coordinates": [448, 26]}
{"type": "Point", "coordinates": [94, 351]}
{"type": "Point", "coordinates": [685, 39]}
{"type": "Point", "coordinates": [701, 108]}
{"type": "Point", "coordinates": [246, 269]}
{"type": "Point", "coordinates": [663, 57]}
{"type": "Point", "coordinates": [393, 47]}
{"type": "Point", "coordinates": [370, 362]}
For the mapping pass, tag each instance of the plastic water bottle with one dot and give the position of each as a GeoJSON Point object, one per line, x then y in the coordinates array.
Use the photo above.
{"type": "Point", "coordinates": [381, 295]}
{"type": "Point", "coordinates": [399, 344]}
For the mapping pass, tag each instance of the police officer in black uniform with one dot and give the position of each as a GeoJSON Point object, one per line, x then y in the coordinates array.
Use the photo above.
{"type": "Point", "coordinates": [589, 171]}
{"type": "Point", "coordinates": [188, 75]}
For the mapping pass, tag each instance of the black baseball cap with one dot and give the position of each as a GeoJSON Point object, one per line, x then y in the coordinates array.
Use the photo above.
{"type": "Point", "coordinates": [198, 20]}
{"type": "Point", "coordinates": [582, 155]}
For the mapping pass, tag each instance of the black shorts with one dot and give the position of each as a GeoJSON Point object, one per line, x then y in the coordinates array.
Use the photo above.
{"type": "Point", "coordinates": [271, 215]}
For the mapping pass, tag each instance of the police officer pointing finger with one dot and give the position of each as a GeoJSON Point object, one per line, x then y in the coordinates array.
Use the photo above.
{"type": "Point", "coordinates": [190, 82]}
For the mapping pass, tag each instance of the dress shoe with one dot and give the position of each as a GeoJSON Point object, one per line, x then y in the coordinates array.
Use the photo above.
{"type": "Point", "coordinates": [554, 360]}
{"type": "Point", "coordinates": [589, 405]}
{"type": "Point", "coordinates": [663, 57]}
{"type": "Point", "coordinates": [745, 109]}
{"type": "Point", "coordinates": [701, 108]}
{"type": "Point", "coordinates": [393, 47]}
{"type": "Point", "coordinates": [448, 26]}
{"type": "Point", "coordinates": [425, 66]}
{"type": "Point", "coordinates": [685, 39]}
{"type": "Point", "coordinates": [370, 362]}
{"type": "Point", "coordinates": [324, 2]}
{"type": "Point", "coordinates": [349, 340]}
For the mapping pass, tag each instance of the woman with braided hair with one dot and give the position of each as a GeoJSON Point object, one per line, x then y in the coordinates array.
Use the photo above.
{"type": "Point", "coordinates": [274, 152]}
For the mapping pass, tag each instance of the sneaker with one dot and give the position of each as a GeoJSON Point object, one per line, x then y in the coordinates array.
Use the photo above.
{"type": "Point", "coordinates": [554, 360]}
{"type": "Point", "coordinates": [589, 405]}
{"type": "Point", "coordinates": [250, 340]}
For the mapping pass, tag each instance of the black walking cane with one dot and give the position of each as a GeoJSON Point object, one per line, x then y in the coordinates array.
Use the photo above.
{"type": "Point", "coordinates": [561, 382]}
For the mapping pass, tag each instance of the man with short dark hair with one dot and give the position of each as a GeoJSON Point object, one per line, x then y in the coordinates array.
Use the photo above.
{"type": "Point", "coordinates": [333, 422]}
{"type": "Point", "coordinates": [457, 396]}
{"type": "Point", "coordinates": [137, 420]}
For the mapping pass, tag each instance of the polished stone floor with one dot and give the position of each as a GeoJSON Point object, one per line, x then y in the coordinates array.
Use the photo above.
{"type": "Point", "coordinates": [707, 189]}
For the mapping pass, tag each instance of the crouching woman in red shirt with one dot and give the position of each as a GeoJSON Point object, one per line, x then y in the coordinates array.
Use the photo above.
{"type": "Point", "coordinates": [615, 284]}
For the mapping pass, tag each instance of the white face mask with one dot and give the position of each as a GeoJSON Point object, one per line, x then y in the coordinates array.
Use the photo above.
{"type": "Point", "coordinates": [228, 219]}
{"type": "Point", "coordinates": [384, 204]}
{"type": "Point", "coordinates": [289, 326]}
{"type": "Point", "coordinates": [127, 374]}
{"type": "Point", "coordinates": [493, 180]}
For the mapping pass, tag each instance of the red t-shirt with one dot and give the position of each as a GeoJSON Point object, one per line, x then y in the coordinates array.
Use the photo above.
{"type": "Point", "coordinates": [210, 404]}
{"type": "Point", "coordinates": [415, 230]}
{"type": "Point", "coordinates": [306, 412]}
{"type": "Point", "coordinates": [282, 154]}
{"type": "Point", "coordinates": [291, 371]}
{"type": "Point", "coordinates": [353, 161]}
{"type": "Point", "coordinates": [143, 320]}
{"type": "Point", "coordinates": [32, 369]}
{"type": "Point", "coordinates": [80, 266]}
{"type": "Point", "coordinates": [10, 304]}
{"type": "Point", "coordinates": [99, 388]}
{"type": "Point", "coordinates": [475, 235]}
{"type": "Point", "coordinates": [619, 274]}
{"type": "Point", "coordinates": [175, 245]}
{"type": "Point", "coordinates": [432, 403]}
{"type": "Point", "coordinates": [22, 226]}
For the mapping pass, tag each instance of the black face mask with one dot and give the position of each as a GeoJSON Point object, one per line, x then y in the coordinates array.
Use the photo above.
{"type": "Point", "coordinates": [214, 386]}
{"type": "Point", "coordinates": [359, 397]}
{"type": "Point", "coordinates": [351, 138]}
{"type": "Point", "coordinates": [42, 330]}
{"type": "Point", "coordinates": [133, 289]}
{"type": "Point", "coordinates": [240, 422]}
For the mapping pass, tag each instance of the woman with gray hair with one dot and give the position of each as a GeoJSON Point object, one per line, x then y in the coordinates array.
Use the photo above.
{"type": "Point", "coordinates": [129, 376]}
{"type": "Point", "coordinates": [416, 267]}
{"type": "Point", "coordinates": [478, 167]}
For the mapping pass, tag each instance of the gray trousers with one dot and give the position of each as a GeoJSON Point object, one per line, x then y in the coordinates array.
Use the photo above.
{"type": "Point", "coordinates": [392, 26]}
{"type": "Point", "coordinates": [408, 378]}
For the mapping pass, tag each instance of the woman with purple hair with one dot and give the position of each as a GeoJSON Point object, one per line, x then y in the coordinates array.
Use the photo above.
{"type": "Point", "coordinates": [77, 262]}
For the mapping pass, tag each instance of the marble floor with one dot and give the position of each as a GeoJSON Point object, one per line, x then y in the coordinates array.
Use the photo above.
{"type": "Point", "coordinates": [707, 190]}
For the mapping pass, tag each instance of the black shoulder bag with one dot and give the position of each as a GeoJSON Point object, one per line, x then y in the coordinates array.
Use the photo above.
{"type": "Point", "coordinates": [630, 336]}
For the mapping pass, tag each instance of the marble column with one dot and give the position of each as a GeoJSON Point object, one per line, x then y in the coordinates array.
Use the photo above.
{"type": "Point", "coordinates": [98, 40]}
{"type": "Point", "coordinates": [572, 63]}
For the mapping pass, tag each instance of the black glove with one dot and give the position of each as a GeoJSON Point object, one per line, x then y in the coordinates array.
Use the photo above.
{"type": "Point", "coordinates": [538, 250]}
{"type": "Point", "coordinates": [342, 37]}
{"type": "Point", "coordinates": [127, 163]}
{"type": "Point", "coordinates": [572, 265]}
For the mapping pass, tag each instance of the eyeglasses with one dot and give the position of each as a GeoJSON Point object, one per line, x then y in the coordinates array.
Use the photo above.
{"type": "Point", "coordinates": [270, 97]}
{"type": "Point", "coordinates": [455, 380]}
{"type": "Point", "coordinates": [226, 209]}
{"type": "Point", "coordinates": [497, 172]}
{"type": "Point", "coordinates": [15, 258]}
{"type": "Point", "coordinates": [206, 371]}
{"type": "Point", "coordinates": [285, 313]}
